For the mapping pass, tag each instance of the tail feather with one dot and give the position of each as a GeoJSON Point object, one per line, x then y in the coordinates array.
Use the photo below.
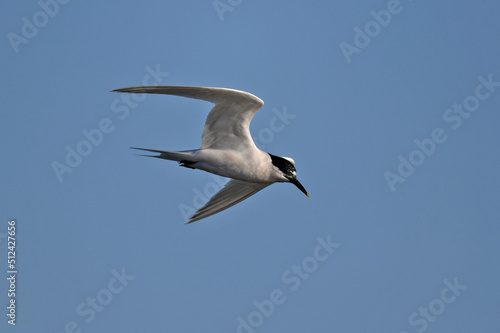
{"type": "Point", "coordinates": [179, 156]}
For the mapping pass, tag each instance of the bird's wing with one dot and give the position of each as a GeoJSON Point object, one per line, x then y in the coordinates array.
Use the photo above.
{"type": "Point", "coordinates": [233, 192]}
{"type": "Point", "coordinates": [228, 124]}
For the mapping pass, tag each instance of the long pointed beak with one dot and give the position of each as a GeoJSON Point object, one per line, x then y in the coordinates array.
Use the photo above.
{"type": "Point", "coordinates": [299, 185]}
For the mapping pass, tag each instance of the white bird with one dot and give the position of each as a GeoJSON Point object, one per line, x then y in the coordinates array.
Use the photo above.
{"type": "Point", "coordinates": [227, 147]}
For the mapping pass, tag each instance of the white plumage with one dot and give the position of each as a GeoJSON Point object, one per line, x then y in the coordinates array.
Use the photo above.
{"type": "Point", "coordinates": [227, 147]}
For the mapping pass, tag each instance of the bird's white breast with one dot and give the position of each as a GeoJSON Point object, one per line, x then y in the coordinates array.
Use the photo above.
{"type": "Point", "coordinates": [250, 165]}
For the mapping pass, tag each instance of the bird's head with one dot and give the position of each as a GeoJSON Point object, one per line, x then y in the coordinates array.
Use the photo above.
{"type": "Point", "coordinates": [286, 171]}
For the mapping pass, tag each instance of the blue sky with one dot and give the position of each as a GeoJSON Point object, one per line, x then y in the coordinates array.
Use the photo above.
{"type": "Point", "coordinates": [389, 108]}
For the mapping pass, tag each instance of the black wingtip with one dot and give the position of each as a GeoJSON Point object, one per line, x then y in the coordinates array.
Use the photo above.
{"type": "Point", "coordinates": [121, 90]}
{"type": "Point", "coordinates": [191, 220]}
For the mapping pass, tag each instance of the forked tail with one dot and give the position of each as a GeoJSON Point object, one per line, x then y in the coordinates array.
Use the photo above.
{"type": "Point", "coordinates": [185, 158]}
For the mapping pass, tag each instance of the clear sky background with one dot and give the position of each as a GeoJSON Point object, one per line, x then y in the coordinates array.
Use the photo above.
{"type": "Point", "coordinates": [103, 246]}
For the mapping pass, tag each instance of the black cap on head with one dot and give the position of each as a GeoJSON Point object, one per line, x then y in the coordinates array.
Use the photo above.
{"type": "Point", "coordinates": [288, 170]}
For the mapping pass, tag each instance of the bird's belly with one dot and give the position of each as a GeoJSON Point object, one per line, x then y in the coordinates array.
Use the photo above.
{"type": "Point", "coordinates": [251, 167]}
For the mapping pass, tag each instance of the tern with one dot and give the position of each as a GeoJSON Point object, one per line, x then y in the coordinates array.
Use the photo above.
{"type": "Point", "coordinates": [227, 147]}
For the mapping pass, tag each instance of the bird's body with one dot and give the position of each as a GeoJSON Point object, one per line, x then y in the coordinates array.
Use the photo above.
{"type": "Point", "coordinates": [251, 165]}
{"type": "Point", "coordinates": [227, 147]}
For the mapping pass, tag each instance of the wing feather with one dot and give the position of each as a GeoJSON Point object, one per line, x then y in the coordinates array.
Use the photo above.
{"type": "Point", "coordinates": [232, 193]}
{"type": "Point", "coordinates": [228, 124]}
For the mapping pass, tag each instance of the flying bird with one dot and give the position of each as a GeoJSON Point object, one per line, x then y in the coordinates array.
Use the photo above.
{"type": "Point", "coordinates": [227, 147]}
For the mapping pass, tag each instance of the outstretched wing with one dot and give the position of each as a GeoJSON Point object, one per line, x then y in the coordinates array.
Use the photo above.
{"type": "Point", "coordinates": [228, 124]}
{"type": "Point", "coordinates": [233, 192]}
